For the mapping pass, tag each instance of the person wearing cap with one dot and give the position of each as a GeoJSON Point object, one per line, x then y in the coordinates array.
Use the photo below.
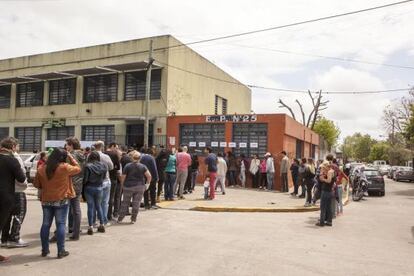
{"type": "Point", "coordinates": [284, 168]}
{"type": "Point", "coordinates": [270, 170]}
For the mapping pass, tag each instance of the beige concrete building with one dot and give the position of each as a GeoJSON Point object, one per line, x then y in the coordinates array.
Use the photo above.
{"type": "Point", "coordinates": [98, 92]}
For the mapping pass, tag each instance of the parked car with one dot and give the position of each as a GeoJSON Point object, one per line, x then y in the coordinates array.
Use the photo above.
{"type": "Point", "coordinates": [28, 159]}
{"type": "Point", "coordinates": [384, 169]}
{"type": "Point", "coordinates": [33, 168]}
{"type": "Point", "coordinates": [391, 171]}
{"type": "Point", "coordinates": [376, 183]}
{"type": "Point", "coordinates": [404, 173]}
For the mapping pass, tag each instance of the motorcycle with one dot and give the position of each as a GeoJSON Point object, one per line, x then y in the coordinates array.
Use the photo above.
{"type": "Point", "coordinates": [360, 187]}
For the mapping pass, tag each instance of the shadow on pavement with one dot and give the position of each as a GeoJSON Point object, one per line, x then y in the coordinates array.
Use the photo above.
{"type": "Point", "coordinates": [21, 259]}
{"type": "Point", "coordinates": [409, 192]}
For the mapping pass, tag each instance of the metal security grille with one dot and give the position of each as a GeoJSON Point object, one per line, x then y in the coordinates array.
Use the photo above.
{"type": "Point", "coordinates": [62, 91]}
{"type": "Point", "coordinates": [94, 133]}
{"type": "Point", "coordinates": [299, 148]}
{"type": "Point", "coordinates": [135, 85]}
{"type": "Point", "coordinates": [248, 134]}
{"type": "Point", "coordinates": [204, 133]}
{"type": "Point", "coordinates": [60, 133]}
{"type": "Point", "coordinates": [224, 107]}
{"type": "Point", "coordinates": [313, 153]}
{"type": "Point", "coordinates": [135, 135]}
{"type": "Point", "coordinates": [29, 94]}
{"type": "Point", "coordinates": [216, 99]}
{"type": "Point", "coordinates": [4, 132]}
{"type": "Point", "coordinates": [101, 88]}
{"type": "Point", "coordinates": [5, 92]}
{"type": "Point", "coordinates": [29, 138]}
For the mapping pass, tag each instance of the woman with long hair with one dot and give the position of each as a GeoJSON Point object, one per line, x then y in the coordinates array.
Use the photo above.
{"type": "Point", "coordinates": [93, 178]}
{"type": "Point", "coordinates": [54, 180]}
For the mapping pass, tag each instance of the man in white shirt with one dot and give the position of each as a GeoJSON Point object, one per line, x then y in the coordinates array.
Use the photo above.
{"type": "Point", "coordinates": [221, 173]}
{"type": "Point", "coordinates": [270, 171]}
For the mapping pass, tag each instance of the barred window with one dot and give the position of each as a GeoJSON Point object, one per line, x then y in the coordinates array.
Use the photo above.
{"type": "Point", "coordinates": [224, 107]}
{"type": "Point", "coordinates": [101, 88]}
{"type": "Point", "coordinates": [216, 103]}
{"type": "Point", "coordinates": [135, 83]}
{"type": "Point", "coordinates": [62, 91]}
{"type": "Point", "coordinates": [206, 133]}
{"type": "Point", "coordinates": [93, 133]}
{"type": "Point", "coordinates": [60, 133]}
{"type": "Point", "coordinates": [29, 138]}
{"type": "Point", "coordinates": [4, 132]}
{"type": "Point", "coordinates": [5, 92]}
{"type": "Point", "coordinates": [29, 94]}
{"type": "Point", "coordinates": [250, 133]}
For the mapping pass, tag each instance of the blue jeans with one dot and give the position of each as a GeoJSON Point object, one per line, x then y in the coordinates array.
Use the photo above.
{"type": "Point", "coordinates": [340, 206]}
{"type": "Point", "coordinates": [60, 214]}
{"type": "Point", "coordinates": [94, 199]}
{"type": "Point", "coordinates": [106, 192]}
{"type": "Point", "coordinates": [169, 185]}
{"type": "Point", "coordinates": [326, 207]}
{"type": "Point", "coordinates": [270, 178]}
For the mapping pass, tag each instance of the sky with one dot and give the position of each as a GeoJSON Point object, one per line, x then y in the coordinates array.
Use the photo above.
{"type": "Point", "coordinates": [381, 36]}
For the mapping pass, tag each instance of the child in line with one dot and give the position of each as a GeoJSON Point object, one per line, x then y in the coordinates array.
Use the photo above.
{"type": "Point", "coordinates": [206, 187]}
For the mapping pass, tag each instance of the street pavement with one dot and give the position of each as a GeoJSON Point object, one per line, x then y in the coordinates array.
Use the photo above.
{"type": "Point", "coordinates": [374, 237]}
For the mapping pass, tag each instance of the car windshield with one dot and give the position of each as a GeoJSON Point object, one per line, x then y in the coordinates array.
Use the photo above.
{"type": "Point", "coordinates": [25, 156]}
{"type": "Point", "coordinates": [371, 173]}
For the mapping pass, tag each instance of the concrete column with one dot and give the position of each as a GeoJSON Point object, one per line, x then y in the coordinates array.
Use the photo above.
{"type": "Point", "coordinates": [45, 93]}
{"type": "Point", "coordinates": [12, 109]}
{"type": "Point", "coordinates": [121, 86]}
{"type": "Point", "coordinates": [79, 99]}
{"type": "Point", "coordinates": [120, 132]}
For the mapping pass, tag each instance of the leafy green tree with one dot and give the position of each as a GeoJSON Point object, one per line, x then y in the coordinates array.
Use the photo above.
{"type": "Point", "coordinates": [379, 151]}
{"type": "Point", "coordinates": [328, 130]}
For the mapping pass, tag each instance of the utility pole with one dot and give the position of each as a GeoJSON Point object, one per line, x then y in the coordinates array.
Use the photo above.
{"type": "Point", "coordinates": [393, 132]}
{"type": "Point", "coordinates": [147, 96]}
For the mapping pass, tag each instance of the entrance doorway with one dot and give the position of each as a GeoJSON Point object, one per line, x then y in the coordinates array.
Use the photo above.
{"type": "Point", "coordinates": [135, 135]}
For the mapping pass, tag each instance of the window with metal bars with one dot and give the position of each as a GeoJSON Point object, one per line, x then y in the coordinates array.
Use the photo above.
{"type": "Point", "coordinates": [4, 132]}
{"type": "Point", "coordinates": [62, 91]}
{"type": "Point", "coordinates": [135, 83]}
{"type": "Point", "coordinates": [105, 133]}
{"type": "Point", "coordinates": [299, 149]}
{"type": "Point", "coordinates": [30, 138]}
{"type": "Point", "coordinates": [248, 134]}
{"type": "Point", "coordinates": [29, 94]}
{"type": "Point", "coordinates": [5, 92]}
{"type": "Point", "coordinates": [60, 133]}
{"type": "Point", "coordinates": [216, 100]}
{"type": "Point", "coordinates": [206, 133]}
{"type": "Point", "coordinates": [101, 88]}
{"type": "Point", "coordinates": [224, 106]}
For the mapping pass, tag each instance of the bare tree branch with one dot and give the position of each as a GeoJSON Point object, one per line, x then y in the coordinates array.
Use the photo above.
{"type": "Point", "coordinates": [283, 105]}
{"type": "Point", "coordinates": [301, 111]}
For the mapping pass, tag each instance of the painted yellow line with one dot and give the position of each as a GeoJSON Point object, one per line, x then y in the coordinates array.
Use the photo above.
{"type": "Point", "coordinates": [254, 209]}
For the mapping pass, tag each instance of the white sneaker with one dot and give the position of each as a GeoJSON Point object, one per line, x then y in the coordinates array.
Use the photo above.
{"type": "Point", "coordinates": [107, 224]}
{"type": "Point", "coordinates": [18, 244]}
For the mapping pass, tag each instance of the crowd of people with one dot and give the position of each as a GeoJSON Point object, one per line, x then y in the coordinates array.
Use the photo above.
{"type": "Point", "coordinates": [111, 179]}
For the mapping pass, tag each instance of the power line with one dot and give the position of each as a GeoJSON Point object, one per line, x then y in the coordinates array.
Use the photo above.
{"type": "Point", "coordinates": [326, 57]}
{"type": "Point", "coordinates": [284, 89]}
{"type": "Point", "coordinates": [224, 37]}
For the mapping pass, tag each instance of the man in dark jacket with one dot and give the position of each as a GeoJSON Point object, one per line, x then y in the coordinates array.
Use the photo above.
{"type": "Point", "coordinates": [150, 194]}
{"type": "Point", "coordinates": [75, 215]}
{"type": "Point", "coordinates": [161, 161]}
{"type": "Point", "coordinates": [115, 195]}
{"type": "Point", "coordinates": [10, 172]}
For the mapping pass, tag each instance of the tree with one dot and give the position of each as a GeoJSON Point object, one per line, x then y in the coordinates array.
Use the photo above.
{"type": "Point", "coordinates": [357, 147]}
{"type": "Point", "coordinates": [328, 130]}
{"type": "Point", "coordinates": [379, 151]}
{"type": "Point", "coordinates": [318, 105]}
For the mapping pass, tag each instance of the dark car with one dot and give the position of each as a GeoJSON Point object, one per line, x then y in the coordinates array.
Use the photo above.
{"type": "Point", "coordinates": [376, 182]}
{"type": "Point", "coordinates": [404, 173]}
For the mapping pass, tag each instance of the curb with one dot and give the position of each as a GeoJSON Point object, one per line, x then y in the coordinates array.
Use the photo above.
{"type": "Point", "coordinates": [254, 209]}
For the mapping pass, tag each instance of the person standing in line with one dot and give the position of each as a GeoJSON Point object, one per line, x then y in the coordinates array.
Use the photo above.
{"type": "Point", "coordinates": [170, 175]}
{"type": "Point", "coordinates": [221, 173]}
{"type": "Point", "coordinates": [93, 177]}
{"type": "Point", "coordinates": [310, 181]}
{"type": "Point", "coordinates": [75, 214]}
{"type": "Point", "coordinates": [211, 162]}
{"type": "Point", "coordinates": [327, 179]}
{"type": "Point", "coordinates": [263, 174]}
{"type": "Point", "coordinates": [183, 162]}
{"type": "Point", "coordinates": [11, 172]}
{"type": "Point", "coordinates": [255, 171]}
{"type": "Point", "coordinates": [194, 171]}
{"type": "Point", "coordinates": [284, 167]}
{"type": "Point", "coordinates": [150, 194]}
{"type": "Point", "coordinates": [55, 181]}
{"type": "Point", "coordinates": [135, 177]}
{"type": "Point", "coordinates": [335, 199]}
{"type": "Point", "coordinates": [161, 161]}
{"type": "Point", "coordinates": [244, 164]}
{"type": "Point", "coordinates": [303, 172]}
{"type": "Point", "coordinates": [232, 169]}
{"type": "Point", "coordinates": [115, 193]}
{"type": "Point", "coordinates": [106, 187]}
{"type": "Point", "coordinates": [270, 171]}
{"type": "Point", "coordinates": [294, 170]}
{"type": "Point", "coordinates": [10, 237]}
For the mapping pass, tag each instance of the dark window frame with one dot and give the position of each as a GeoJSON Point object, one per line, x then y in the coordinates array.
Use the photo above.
{"type": "Point", "coordinates": [100, 88]}
{"type": "Point", "coordinates": [61, 133]}
{"type": "Point", "coordinates": [135, 85]}
{"type": "Point", "coordinates": [203, 133]}
{"type": "Point", "coordinates": [106, 137]}
{"type": "Point", "coordinates": [5, 96]}
{"type": "Point", "coordinates": [30, 94]}
{"type": "Point", "coordinates": [29, 134]}
{"type": "Point", "coordinates": [63, 87]}
{"type": "Point", "coordinates": [251, 133]}
{"type": "Point", "coordinates": [224, 106]}
{"type": "Point", "coordinates": [4, 132]}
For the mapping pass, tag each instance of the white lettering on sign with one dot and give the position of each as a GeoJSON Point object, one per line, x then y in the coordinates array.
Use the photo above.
{"type": "Point", "coordinates": [231, 118]}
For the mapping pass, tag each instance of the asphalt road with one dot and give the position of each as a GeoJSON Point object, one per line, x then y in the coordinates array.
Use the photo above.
{"type": "Point", "coordinates": [374, 237]}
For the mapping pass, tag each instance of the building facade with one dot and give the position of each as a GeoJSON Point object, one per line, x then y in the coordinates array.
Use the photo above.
{"type": "Point", "coordinates": [246, 134]}
{"type": "Point", "coordinates": [98, 92]}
